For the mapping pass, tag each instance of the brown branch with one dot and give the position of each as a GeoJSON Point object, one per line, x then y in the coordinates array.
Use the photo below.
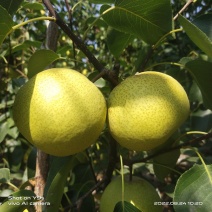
{"type": "Point", "coordinates": [79, 43]}
{"type": "Point", "coordinates": [42, 160]}
{"type": "Point", "coordinates": [107, 177]}
{"type": "Point", "coordinates": [49, 6]}
{"type": "Point", "coordinates": [183, 145]}
{"type": "Point", "coordinates": [113, 75]}
{"type": "Point", "coordinates": [98, 76]}
{"type": "Point", "coordinates": [69, 10]}
{"type": "Point", "coordinates": [52, 36]}
{"type": "Point", "coordinates": [151, 51]}
{"type": "Point", "coordinates": [148, 56]}
{"type": "Point", "coordinates": [73, 37]}
{"type": "Point", "coordinates": [112, 159]}
{"type": "Point", "coordinates": [42, 167]}
{"type": "Point", "coordinates": [79, 202]}
{"type": "Point", "coordinates": [183, 9]}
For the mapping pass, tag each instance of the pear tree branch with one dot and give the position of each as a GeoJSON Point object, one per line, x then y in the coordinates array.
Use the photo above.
{"type": "Point", "coordinates": [163, 151]}
{"type": "Point", "coordinates": [80, 44]}
{"type": "Point", "coordinates": [183, 9]}
{"type": "Point", "coordinates": [130, 163]}
{"type": "Point", "coordinates": [42, 167]}
{"type": "Point", "coordinates": [42, 160]}
{"type": "Point", "coordinates": [151, 51]}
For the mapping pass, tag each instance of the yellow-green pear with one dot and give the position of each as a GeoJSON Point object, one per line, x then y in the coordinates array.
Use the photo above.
{"type": "Point", "coordinates": [146, 109]}
{"type": "Point", "coordinates": [138, 192]}
{"type": "Point", "coordinates": [60, 111]}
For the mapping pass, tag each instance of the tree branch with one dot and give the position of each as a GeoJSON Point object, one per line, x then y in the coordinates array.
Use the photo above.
{"type": "Point", "coordinates": [42, 160]}
{"type": "Point", "coordinates": [107, 177]}
{"type": "Point", "coordinates": [183, 145]}
{"type": "Point", "coordinates": [183, 9]}
{"type": "Point", "coordinates": [79, 202]}
{"type": "Point", "coordinates": [79, 43]}
{"type": "Point", "coordinates": [112, 159]}
{"type": "Point", "coordinates": [148, 56]}
{"type": "Point", "coordinates": [42, 167]}
{"type": "Point", "coordinates": [151, 51]}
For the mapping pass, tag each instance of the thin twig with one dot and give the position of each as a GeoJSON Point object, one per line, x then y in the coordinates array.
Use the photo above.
{"type": "Point", "coordinates": [183, 145]}
{"type": "Point", "coordinates": [113, 75]}
{"type": "Point", "coordinates": [91, 166]}
{"type": "Point", "coordinates": [151, 51]}
{"type": "Point", "coordinates": [148, 56]}
{"type": "Point", "coordinates": [98, 76]}
{"type": "Point", "coordinates": [69, 9]}
{"type": "Point", "coordinates": [112, 158]}
{"type": "Point", "coordinates": [183, 9]}
{"type": "Point", "coordinates": [76, 40]}
{"type": "Point", "coordinates": [79, 202]}
{"type": "Point", "coordinates": [79, 43]}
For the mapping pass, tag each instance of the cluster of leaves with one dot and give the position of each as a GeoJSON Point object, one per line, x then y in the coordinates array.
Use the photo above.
{"type": "Point", "coordinates": [136, 36]}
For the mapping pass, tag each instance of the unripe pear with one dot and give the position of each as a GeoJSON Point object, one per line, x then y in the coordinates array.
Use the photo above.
{"type": "Point", "coordinates": [146, 109]}
{"type": "Point", "coordinates": [138, 192]}
{"type": "Point", "coordinates": [60, 111]}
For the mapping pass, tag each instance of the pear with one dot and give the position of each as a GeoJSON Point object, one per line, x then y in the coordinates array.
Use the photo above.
{"type": "Point", "coordinates": [60, 111]}
{"type": "Point", "coordinates": [146, 109]}
{"type": "Point", "coordinates": [138, 192]}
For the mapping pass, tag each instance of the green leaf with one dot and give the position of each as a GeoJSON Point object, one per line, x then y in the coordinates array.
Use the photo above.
{"type": "Point", "coordinates": [194, 187]}
{"type": "Point", "coordinates": [6, 24]}
{"type": "Point", "coordinates": [100, 83]}
{"type": "Point", "coordinates": [31, 163]}
{"type": "Point", "coordinates": [146, 19]}
{"type": "Point", "coordinates": [202, 73]}
{"type": "Point", "coordinates": [197, 35]}
{"type": "Point", "coordinates": [13, 132]}
{"type": "Point", "coordinates": [102, 1]}
{"type": "Point", "coordinates": [117, 41]}
{"type": "Point", "coordinates": [201, 120]}
{"type": "Point", "coordinates": [164, 163]}
{"type": "Point", "coordinates": [11, 5]}
{"type": "Point", "coordinates": [25, 45]}
{"type": "Point", "coordinates": [33, 6]}
{"type": "Point", "coordinates": [83, 182]}
{"type": "Point", "coordinates": [4, 175]}
{"type": "Point", "coordinates": [56, 180]}
{"type": "Point", "coordinates": [141, 56]}
{"type": "Point", "coordinates": [195, 94]}
{"type": "Point", "coordinates": [128, 207]}
{"type": "Point", "coordinates": [15, 157]}
{"type": "Point", "coordinates": [204, 23]}
{"type": "Point", "coordinates": [18, 201]}
{"type": "Point", "coordinates": [40, 60]}
{"type": "Point", "coordinates": [4, 128]}
{"type": "Point", "coordinates": [98, 22]}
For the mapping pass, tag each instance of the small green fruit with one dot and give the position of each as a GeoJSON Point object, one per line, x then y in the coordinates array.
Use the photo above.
{"type": "Point", "coordinates": [138, 192]}
{"type": "Point", "coordinates": [146, 109]}
{"type": "Point", "coordinates": [60, 111]}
